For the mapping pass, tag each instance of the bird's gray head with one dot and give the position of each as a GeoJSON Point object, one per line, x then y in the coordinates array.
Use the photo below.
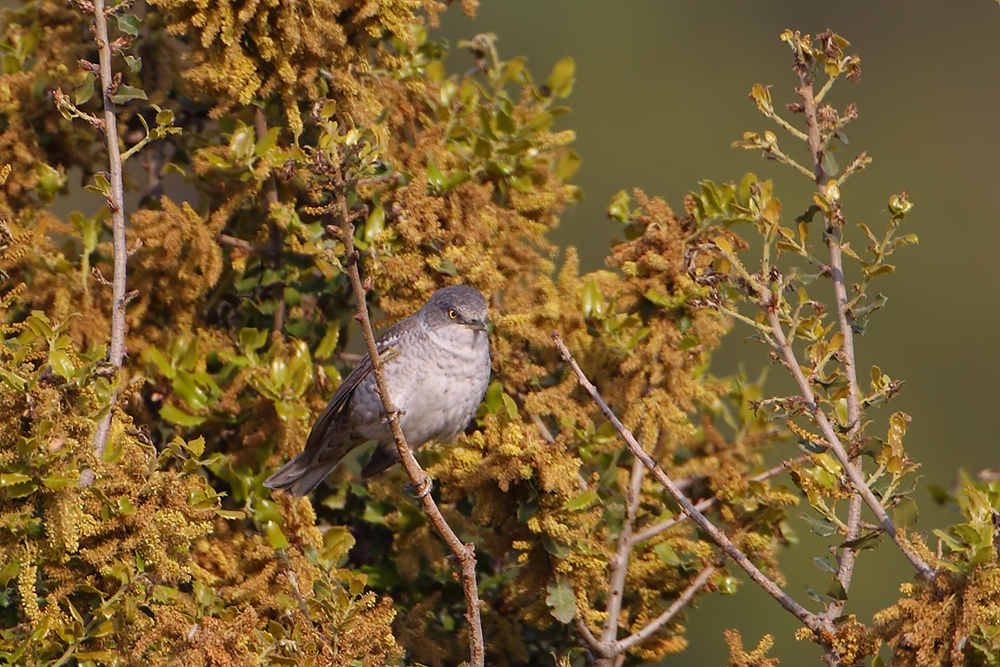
{"type": "Point", "coordinates": [456, 305]}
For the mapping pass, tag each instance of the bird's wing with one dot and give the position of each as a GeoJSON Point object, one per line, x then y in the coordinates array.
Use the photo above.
{"type": "Point", "coordinates": [335, 408]}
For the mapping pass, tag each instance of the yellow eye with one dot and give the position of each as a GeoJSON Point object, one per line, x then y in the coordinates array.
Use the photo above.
{"type": "Point", "coordinates": [452, 314]}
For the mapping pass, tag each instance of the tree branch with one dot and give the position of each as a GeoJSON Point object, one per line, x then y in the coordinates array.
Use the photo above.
{"type": "Point", "coordinates": [116, 204]}
{"type": "Point", "coordinates": [848, 557]}
{"type": "Point", "coordinates": [623, 550]}
{"type": "Point", "coordinates": [816, 410]}
{"type": "Point", "coordinates": [706, 503]}
{"type": "Point", "coordinates": [465, 553]}
{"type": "Point", "coordinates": [275, 239]}
{"type": "Point", "coordinates": [810, 620]}
{"type": "Point", "coordinates": [682, 601]}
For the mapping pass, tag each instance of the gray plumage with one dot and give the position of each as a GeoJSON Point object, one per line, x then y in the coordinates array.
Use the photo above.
{"type": "Point", "coordinates": [437, 368]}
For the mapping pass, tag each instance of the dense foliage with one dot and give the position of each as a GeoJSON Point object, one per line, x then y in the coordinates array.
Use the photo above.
{"type": "Point", "coordinates": [249, 130]}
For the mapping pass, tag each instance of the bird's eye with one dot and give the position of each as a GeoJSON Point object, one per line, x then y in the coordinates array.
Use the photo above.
{"type": "Point", "coordinates": [452, 314]}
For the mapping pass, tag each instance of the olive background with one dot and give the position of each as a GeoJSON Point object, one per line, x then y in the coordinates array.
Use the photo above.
{"type": "Point", "coordinates": [661, 93]}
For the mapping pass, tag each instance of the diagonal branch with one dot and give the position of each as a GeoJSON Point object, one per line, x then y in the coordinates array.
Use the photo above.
{"type": "Point", "coordinates": [682, 601]}
{"type": "Point", "coordinates": [816, 410]}
{"type": "Point", "coordinates": [464, 553]}
{"type": "Point", "coordinates": [116, 204]}
{"type": "Point", "coordinates": [845, 571]}
{"type": "Point", "coordinates": [706, 503]}
{"type": "Point", "coordinates": [810, 620]}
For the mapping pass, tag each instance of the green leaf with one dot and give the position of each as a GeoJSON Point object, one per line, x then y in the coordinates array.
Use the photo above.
{"type": "Point", "coordinates": [241, 143]}
{"type": "Point", "coordinates": [162, 363]}
{"type": "Point", "coordinates": [727, 584]}
{"type": "Point", "coordinates": [375, 223]}
{"type": "Point", "coordinates": [867, 541]}
{"type": "Point", "coordinates": [836, 590]}
{"type": "Point", "coordinates": [127, 94]}
{"type": "Point", "coordinates": [57, 482]}
{"type": "Point", "coordinates": [666, 553]}
{"type": "Point", "coordinates": [129, 24]}
{"type": "Point", "coordinates": [618, 208]}
{"type": "Point", "coordinates": [448, 267]}
{"type": "Point", "coordinates": [493, 399]}
{"type": "Point", "coordinates": [125, 506]}
{"type": "Point", "coordinates": [196, 447]}
{"type": "Point", "coordinates": [14, 381]}
{"type": "Point", "coordinates": [567, 166]}
{"type": "Point", "coordinates": [175, 415]}
{"type": "Point", "coordinates": [582, 501]}
{"type": "Point", "coordinates": [61, 364]}
{"type": "Point", "coordinates": [561, 599]}
{"type": "Point", "coordinates": [252, 340]}
{"type": "Point", "coordinates": [267, 142]}
{"type": "Point", "coordinates": [328, 345]}
{"type": "Point", "coordinates": [9, 570]}
{"type": "Point", "coordinates": [275, 537]}
{"type": "Point", "coordinates": [505, 123]}
{"type": "Point", "coordinates": [85, 90]}
{"type": "Point", "coordinates": [540, 121]}
{"type": "Point", "coordinates": [134, 64]}
{"type": "Point", "coordinates": [557, 549]}
{"type": "Point", "coordinates": [560, 81]}
{"type": "Point", "coordinates": [592, 301]}
{"type": "Point", "coordinates": [13, 478]}
{"type": "Point", "coordinates": [188, 389]}
{"type": "Point", "coordinates": [435, 178]}
{"type": "Point", "coordinates": [510, 405]}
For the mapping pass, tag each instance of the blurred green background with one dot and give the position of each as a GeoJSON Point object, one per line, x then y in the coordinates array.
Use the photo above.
{"type": "Point", "coordinates": [661, 92]}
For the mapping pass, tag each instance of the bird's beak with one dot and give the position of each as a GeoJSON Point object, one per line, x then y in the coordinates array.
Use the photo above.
{"type": "Point", "coordinates": [479, 326]}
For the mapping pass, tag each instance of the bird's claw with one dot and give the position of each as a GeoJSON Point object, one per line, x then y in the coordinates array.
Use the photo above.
{"type": "Point", "coordinates": [421, 488]}
{"type": "Point", "coordinates": [399, 414]}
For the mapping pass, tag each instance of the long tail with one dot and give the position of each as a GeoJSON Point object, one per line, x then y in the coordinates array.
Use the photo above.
{"type": "Point", "coordinates": [303, 473]}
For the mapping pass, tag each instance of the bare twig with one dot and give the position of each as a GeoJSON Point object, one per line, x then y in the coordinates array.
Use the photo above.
{"type": "Point", "coordinates": [464, 553]}
{"type": "Point", "coordinates": [239, 244]}
{"type": "Point", "coordinates": [848, 557]}
{"type": "Point", "coordinates": [810, 620]}
{"type": "Point", "coordinates": [275, 239]}
{"type": "Point", "coordinates": [706, 503]}
{"type": "Point", "coordinates": [623, 550]}
{"type": "Point", "coordinates": [833, 221]}
{"type": "Point", "coordinates": [682, 600]}
{"type": "Point", "coordinates": [116, 204]}
{"type": "Point", "coordinates": [830, 435]}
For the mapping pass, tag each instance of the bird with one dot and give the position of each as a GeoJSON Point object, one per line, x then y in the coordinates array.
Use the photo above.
{"type": "Point", "coordinates": [436, 364]}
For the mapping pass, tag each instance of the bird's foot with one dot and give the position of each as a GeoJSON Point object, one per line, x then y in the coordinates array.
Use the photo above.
{"type": "Point", "coordinates": [421, 488]}
{"type": "Point", "coordinates": [397, 415]}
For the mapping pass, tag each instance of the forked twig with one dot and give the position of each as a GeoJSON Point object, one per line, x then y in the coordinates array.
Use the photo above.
{"type": "Point", "coordinates": [810, 620]}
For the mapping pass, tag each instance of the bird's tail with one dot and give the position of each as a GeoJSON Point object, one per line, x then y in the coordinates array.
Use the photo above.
{"type": "Point", "coordinates": [303, 473]}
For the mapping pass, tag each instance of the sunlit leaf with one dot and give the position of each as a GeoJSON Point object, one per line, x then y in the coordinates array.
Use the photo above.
{"type": "Point", "coordinates": [561, 599]}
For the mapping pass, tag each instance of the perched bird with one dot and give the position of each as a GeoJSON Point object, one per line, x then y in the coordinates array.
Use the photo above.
{"type": "Point", "coordinates": [437, 368]}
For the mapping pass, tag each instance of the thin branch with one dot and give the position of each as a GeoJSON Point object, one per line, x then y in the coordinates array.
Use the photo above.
{"type": "Point", "coordinates": [116, 204]}
{"type": "Point", "coordinates": [706, 503]}
{"type": "Point", "coordinates": [623, 550]}
{"type": "Point", "coordinates": [816, 410]}
{"type": "Point", "coordinates": [464, 553]}
{"type": "Point", "coordinates": [833, 225]}
{"type": "Point", "coordinates": [239, 244]}
{"type": "Point", "coordinates": [275, 240]}
{"type": "Point", "coordinates": [587, 636]}
{"type": "Point", "coordinates": [663, 526]}
{"type": "Point", "coordinates": [810, 620]}
{"type": "Point", "coordinates": [791, 129]}
{"type": "Point", "coordinates": [682, 601]}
